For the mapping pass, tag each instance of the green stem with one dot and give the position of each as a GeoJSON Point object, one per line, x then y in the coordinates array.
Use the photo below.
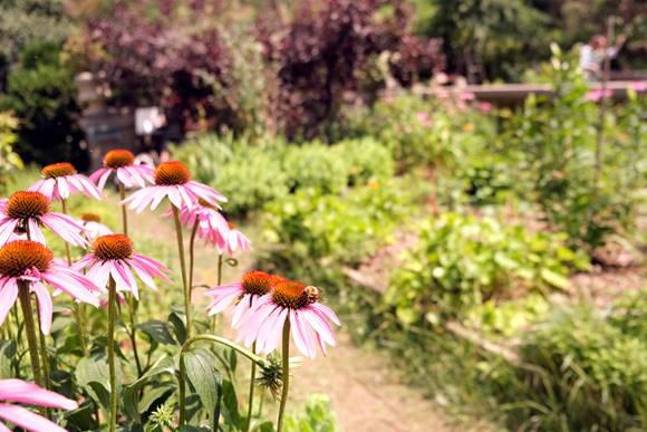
{"type": "Point", "coordinates": [124, 213]}
{"type": "Point", "coordinates": [112, 315]}
{"type": "Point", "coordinates": [252, 386]}
{"type": "Point", "coordinates": [180, 247]}
{"type": "Point", "coordinates": [207, 338]}
{"type": "Point", "coordinates": [132, 312]}
{"type": "Point", "coordinates": [285, 358]}
{"type": "Point", "coordinates": [43, 350]}
{"type": "Point", "coordinates": [78, 309]}
{"type": "Point", "coordinates": [30, 328]}
{"type": "Point", "coordinates": [194, 231]}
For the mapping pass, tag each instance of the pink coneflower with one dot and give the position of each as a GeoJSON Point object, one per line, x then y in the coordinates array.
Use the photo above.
{"type": "Point", "coordinates": [113, 255]}
{"type": "Point", "coordinates": [18, 391]}
{"type": "Point", "coordinates": [26, 261]}
{"type": "Point", "coordinates": [212, 226]}
{"type": "Point", "coordinates": [236, 241]}
{"type": "Point", "coordinates": [27, 211]}
{"type": "Point", "coordinates": [252, 287]}
{"type": "Point", "coordinates": [289, 300]}
{"type": "Point", "coordinates": [61, 179]}
{"type": "Point", "coordinates": [173, 181]}
{"type": "Point", "coordinates": [121, 162]}
{"type": "Point", "coordinates": [92, 226]}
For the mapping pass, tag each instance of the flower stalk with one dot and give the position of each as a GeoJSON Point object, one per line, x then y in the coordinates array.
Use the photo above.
{"type": "Point", "coordinates": [186, 288]}
{"type": "Point", "coordinates": [30, 328]}
{"type": "Point", "coordinates": [250, 403]}
{"type": "Point", "coordinates": [79, 310]}
{"type": "Point", "coordinates": [285, 358]}
{"type": "Point", "coordinates": [112, 316]}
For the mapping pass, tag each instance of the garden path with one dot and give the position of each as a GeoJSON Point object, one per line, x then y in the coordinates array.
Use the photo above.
{"type": "Point", "coordinates": [365, 392]}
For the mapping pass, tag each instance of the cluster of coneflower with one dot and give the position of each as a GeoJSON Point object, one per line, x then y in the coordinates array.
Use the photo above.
{"type": "Point", "coordinates": [267, 311]}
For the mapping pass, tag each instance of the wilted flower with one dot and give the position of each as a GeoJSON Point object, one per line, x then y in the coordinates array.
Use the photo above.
{"type": "Point", "coordinates": [17, 391]}
{"type": "Point", "coordinates": [30, 262]}
{"type": "Point", "coordinates": [61, 179]}
{"type": "Point", "coordinates": [212, 226]}
{"type": "Point", "coordinates": [27, 211]}
{"type": "Point", "coordinates": [113, 255]}
{"type": "Point", "coordinates": [121, 162]}
{"type": "Point", "coordinates": [173, 181]}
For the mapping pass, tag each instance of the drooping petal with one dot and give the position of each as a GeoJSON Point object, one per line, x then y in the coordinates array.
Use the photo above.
{"type": "Point", "coordinates": [27, 419]}
{"type": "Point", "coordinates": [8, 295]}
{"type": "Point", "coordinates": [320, 326]}
{"type": "Point", "coordinates": [7, 230]}
{"type": "Point", "coordinates": [35, 233]}
{"type": "Point", "coordinates": [15, 390]}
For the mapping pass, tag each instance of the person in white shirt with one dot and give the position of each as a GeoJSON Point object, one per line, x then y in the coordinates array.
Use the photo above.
{"type": "Point", "coordinates": [592, 55]}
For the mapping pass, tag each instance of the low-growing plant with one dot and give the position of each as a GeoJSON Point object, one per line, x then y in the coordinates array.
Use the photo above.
{"type": "Point", "coordinates": [578, 371]}
{"type": "Point", "coordinates": [464, 260]}
{"type": "Point", "coordinates": [10, 162]}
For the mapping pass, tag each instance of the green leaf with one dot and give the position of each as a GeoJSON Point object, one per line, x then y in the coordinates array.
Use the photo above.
{"type": "Point", "coordinates": [555, 279]}
{"type": "Point", "coordinates": [7, 353]}
{"type": "Point", "coordinates": [159, 331]}
{"type": "Point", "coordinates": [133, 407]}
{"type": "Point", "coordinates": [203, 376]}
{"type": "Point", "coordinates": [230, 412]}
{"type": "Point", "coordinates": [94, 376]}
{"type": "Point", "coordinates": [179, 328]}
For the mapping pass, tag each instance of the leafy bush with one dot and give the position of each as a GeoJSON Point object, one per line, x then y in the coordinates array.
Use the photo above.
{"type": "Point", "coordinates": [308, 231]}
{"type": "Point", "coordinates": [578, 372]}
{"type": "Point", "coordinates": [317, 417]}
{"type": "Point", "coordinates": [9, 161]}
{"type": "Point", "coordinates": [315, 166]}
{"type": "Point", "coordinates": [253, 172]}
{"type": "Point", "coordinates": [572, 171]}
{"type": "Point", "coordinates": [462, 261]}
{"type": "Point", "coordinates": [41, 92]}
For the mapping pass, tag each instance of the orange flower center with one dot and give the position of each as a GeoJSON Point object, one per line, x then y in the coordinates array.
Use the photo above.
{"type": "Point", "coordinates": [113, 247]}
{"type": "Point", "coordinates": [26, 204]}
{"type": "Point", "coordinates": [258, 282]}
{"type": "Point", "coordinates": [118, 158]}
{"type": "Point", "coordinates": [294, 295]}
{"type": "Point", "coordinates": [19, 256]}
{"type": "Point", "coordinates": [171, 173]}
{"type": "Point", "coordinates": [58, 170]}
{"type": "Point", "coordinates": [90, 217]}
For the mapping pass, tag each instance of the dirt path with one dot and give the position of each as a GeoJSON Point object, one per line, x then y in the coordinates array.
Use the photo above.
{"type": "Point", "coordinates": [364, 391]}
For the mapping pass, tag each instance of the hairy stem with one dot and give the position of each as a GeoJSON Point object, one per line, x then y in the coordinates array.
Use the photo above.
{"type": "Point", "coordinates": [124, 213]}
{"type": "Point", "coordinates": [78, 309]}
{"type": "Point", "coordinates": [180, 247]}
{"type": "Point", "coordinates": [30, 328]}
{"type": "Point", "coordinates": [132, 313]}
{"type": "Point", "coordinates": [285, 358]}
{"type": "Point", "coordinates": [112, 316]}
{"type": "Point", "coordinates": [252, 386]}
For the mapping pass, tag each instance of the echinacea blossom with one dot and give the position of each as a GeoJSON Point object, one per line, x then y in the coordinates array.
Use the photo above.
{"type": "Point", "coordinates": [121, 163]}
{"type": "Point", "coordinates": [60, 180]}
{"type": "Point", "coordinates": [28, 211]}
{"type": "Point", "coordinates": [211, 224]}
{"type": "Point", "coordinates": [310, 320]}
{"type": "Point", "coordinates": [15, 391]}
{"type": "Point", "coordinates": [92, 226]}
{"type": "Point", "coordinates": [173, 181]}
{"type": "Point", "coordinates": [244, 294]}
{"type": "Point", "coordinates": [236, 241]}
{"type": "Point", "coordinates": [113, 255]}
{"type": "Point", "coordinates": [32, 264]}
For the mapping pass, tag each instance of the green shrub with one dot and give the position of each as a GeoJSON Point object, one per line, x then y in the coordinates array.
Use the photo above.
{"type": "Point", "coordinates": [9, 161]}
{"type": "Point", "coordinates": [317, 417]}
{"type": "Point", "coordinates": [315, 166]}
{"type": "Point", "coordinates": [462, 261]}
{"type": "Point", "coordinates": [41, 93]}
{"type": "Point", "coordinates": [578, 372]}
{"type": "Point", "coordinates": [367, 160]}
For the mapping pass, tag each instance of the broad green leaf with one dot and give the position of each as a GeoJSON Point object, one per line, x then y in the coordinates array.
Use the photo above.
{"type": "Point", "coordinates": [159, 331]}
{"type": "Point", "coordinates": [94, 376]}
{"type": "Point", "coordinates": [7, 353]}
{"type": "Point", "coordinates": [203, 376]}
{"type": "Point", "coordinates": [163, 365]}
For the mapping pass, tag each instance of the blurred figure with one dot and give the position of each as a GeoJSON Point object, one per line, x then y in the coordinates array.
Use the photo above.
{"type": "Point", "coordinates": [592, 55]}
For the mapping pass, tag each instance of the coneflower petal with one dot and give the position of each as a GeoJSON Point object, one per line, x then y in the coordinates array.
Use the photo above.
{"type": "Point", "coordinates": [7, 230]}
{"type": "Point", "coordinates": [298, 336]}
{"type": "Point", "coordinates": [18, 391]}
{"type": "Point", "coordinates": [35, 233]}
{"type": "Point", "coordinates": [27, 420]}
{"type": "Point", "coordinates": [318, 325]}
{"type": "Point", "coordinates": [8, 295]}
